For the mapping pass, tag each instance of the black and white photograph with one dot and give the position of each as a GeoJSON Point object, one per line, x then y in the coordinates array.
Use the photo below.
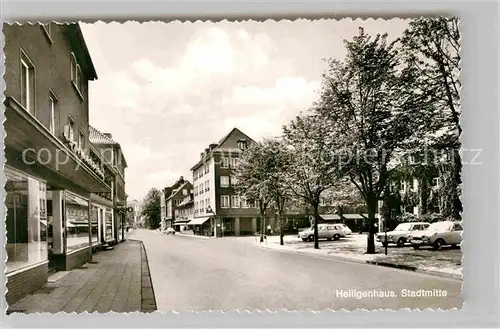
{"type": "Point", "coordinates": [299, 165]}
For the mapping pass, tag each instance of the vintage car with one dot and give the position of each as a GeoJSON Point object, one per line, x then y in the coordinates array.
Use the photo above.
{"type": "Point", "coordinates": [325, 231]}
{"type": "Point", "coordinates": [438, 234]}
{"type": "Point", "coordinates": [399, 235]}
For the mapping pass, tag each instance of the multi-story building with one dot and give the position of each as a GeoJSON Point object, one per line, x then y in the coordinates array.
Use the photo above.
{"type": "Point", "coordinates": [108, 209]}
{"type": "Point", "coordinates": [50, 175]}
{"type": "Point", "coordinates": [134, 217]}
{"type": "Point", "coordinates": [174, 195]}
{"type": "Point", "coordinates": [218, 209]}
{"type": "Point", "coordinates": [184, 213]}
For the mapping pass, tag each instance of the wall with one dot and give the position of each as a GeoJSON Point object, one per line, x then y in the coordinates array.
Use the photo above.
{"type": "Point", "coordinates": [25, 283]}
{"type": "Point", "coordinates": [52, 73]}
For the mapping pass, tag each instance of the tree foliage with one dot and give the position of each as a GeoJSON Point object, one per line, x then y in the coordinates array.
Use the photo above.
{"type": "Point", "coordinates": [151, 209]}
{"type": "Point", "coordinates": [311, 171]}
{"type": "Point", "coordinates": [432, 47]}
{"type": "Point", "coordinates": [371, 111]}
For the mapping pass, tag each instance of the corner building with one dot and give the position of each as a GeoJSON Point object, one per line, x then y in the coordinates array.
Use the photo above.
{"type": "Point", "coordinates": [50, 175]}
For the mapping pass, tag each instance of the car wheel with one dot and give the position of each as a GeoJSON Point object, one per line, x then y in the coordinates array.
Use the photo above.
{"type": "Point", "coordinates": [416, 247]}
{"type": "Point", "coordinates": [336, 237]}
{"type": "Point", "coordinates": [311, 238]}
{"type": "Point", "coordinates": [401, 242]}
{"type": "Point", "coordinates": [438, 244]}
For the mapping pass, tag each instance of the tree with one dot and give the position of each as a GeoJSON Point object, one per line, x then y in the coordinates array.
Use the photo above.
{"type": "Point", "coordinates": [252, 177]}
{"type": "Point", "coordinates": [432, 47]}
{"type": "Point", "coordinates": [310, 172]}
{"type": "Point", "coordinates": [151, 209]}
{"type": "Point", "coordinates": [371, 111]}
{"type": "Point", "coordinates": [344, 196]}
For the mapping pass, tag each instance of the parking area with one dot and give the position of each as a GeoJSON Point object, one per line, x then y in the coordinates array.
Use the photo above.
{"type": "Point", "coordinates": [447, 261]}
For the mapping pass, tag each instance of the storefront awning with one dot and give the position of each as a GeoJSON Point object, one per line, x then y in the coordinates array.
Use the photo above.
{"type": "Point", "coordinates": [31, 148]}
{"type": "Point", "coordinates": [198, 221]}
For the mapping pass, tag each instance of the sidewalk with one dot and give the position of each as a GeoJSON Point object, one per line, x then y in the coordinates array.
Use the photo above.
{"type": "Point", "coordinates": [446, 262]}
{"type": "Point", "coordinates": [114, 281]}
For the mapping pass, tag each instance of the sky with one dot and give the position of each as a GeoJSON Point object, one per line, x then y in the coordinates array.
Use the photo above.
{"type": "Point", "coordinates": [167, 90]}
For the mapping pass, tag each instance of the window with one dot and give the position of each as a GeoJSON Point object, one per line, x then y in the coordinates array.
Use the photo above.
{"type": "Point", "coordinates": [47, 28]}
{"type": "Point", "coordinates": [27, 84]}
{"type": "Point", "coordinates": [234, 162]}
{"type": "Point", "coordinates": [184, 192]}
{"type": "Point", "coordinates": [235, 201]}
{"type": "Point", "coordinates": [207, 170]}
{"type": "Point", "coordinates": [224, 181]}
{"type": "Point", "coordinates": [207, 188]}
{"type": "Point", "coordinates": [200, 188]}
{"type": "Point", "coordinates": [435, 182]}
{"type": "Point", "coordinates": [81, 140]}
{"type": "Point", "coordinates": [224, 201]}
{"type": "Point", "coordinates": [457, 227]}
{"type": "Point", "coordinates": [76, 75]}
{"type": "Point", "coordinates": [202, 206]}
{"type": "Point", "coordinates": [26, 220]}
{"type": "Point", "coordinates": [52, 111]}
{"type": "Point", "coordinates": [225, 163]}
{"type": "Point", "coordinates": [242, 144]}
{"type": "Point", "coordinates": [234, 181]}
{"type": "Point", "coordinates": [207, 202]}
{"type": "Point", "coordinates": [77, 226]}
{"type": "Point", "coordinates": [244, 203]}
{"type": "Point", "coordinates": [71, 129]}
{"type": "Point", "coordinates": [196, 190]}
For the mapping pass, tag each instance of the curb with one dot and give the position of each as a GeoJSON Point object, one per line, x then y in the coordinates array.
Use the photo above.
{"type": "Point", "coordinates": [194, 236]}
{"type": "Point", "coordinates": [148, 300]}
{"type": "Point", "coordinates": [369, 262]}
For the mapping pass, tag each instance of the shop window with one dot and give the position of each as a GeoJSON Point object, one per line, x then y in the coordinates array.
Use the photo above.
{"type": "Point", "coordinates": [77, 222]}
{"type": "Point", "coordinates": [94, 223]}
{"type": "Point", "coordinates": [26, 220]}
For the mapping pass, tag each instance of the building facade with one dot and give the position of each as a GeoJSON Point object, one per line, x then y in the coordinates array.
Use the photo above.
{"type": "Point", "coordinates": [108, 209]}
{"type": "Point", "coordinates": [50, 175]}
{"type": "Point", "coordinates": [174, 195]}
{"type": "Point", "coordinates": [218, 209]}
{"type": "Point", "coordinates": [184, 213]}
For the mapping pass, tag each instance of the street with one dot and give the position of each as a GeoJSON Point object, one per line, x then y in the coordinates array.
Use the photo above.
{"type": "Point", "coordinates": [232, 273]}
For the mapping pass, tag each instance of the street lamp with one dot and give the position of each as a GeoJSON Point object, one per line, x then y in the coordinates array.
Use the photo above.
{"type": "Point", "coordinates": [209, 210]}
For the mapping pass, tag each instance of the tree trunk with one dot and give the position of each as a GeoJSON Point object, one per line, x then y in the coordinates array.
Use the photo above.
{"type": "Point", "coordinates": [372, 209]}
{"type": "Point", "coordinates": [280, 218]}
{"type": "Point", "coordinates": [316, 220]}
{"type": "Point", "coordinates": [262, 225]}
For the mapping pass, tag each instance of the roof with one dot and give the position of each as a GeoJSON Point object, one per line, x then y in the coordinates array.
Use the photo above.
{"type": "Point", "coordinates": [176, 190]}
{"type": "Point", "coordinates": [186, 202]}
{"type": "Point", "coordinates": [97, 137]}
{"type": "Point", "coordinates": [218, 147]}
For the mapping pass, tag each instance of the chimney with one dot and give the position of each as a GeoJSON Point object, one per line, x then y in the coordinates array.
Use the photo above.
{"type": "Point", "coordinates": [181, 179]}
{"type": "Point", "coordinates": [212, 146]}
{"type": "Point", "coordinates": [207, 150]}
{"type": "Point", "coordinates": [202, 155]}
{"type": "Point", "coordinates": [108, 135]}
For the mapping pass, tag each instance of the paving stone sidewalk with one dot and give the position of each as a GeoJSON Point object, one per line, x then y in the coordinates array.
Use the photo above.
{"type": "Point", "coordinates": [113, 281]}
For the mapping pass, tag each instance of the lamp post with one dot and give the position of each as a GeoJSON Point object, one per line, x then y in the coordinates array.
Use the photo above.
{"type": "Point", "coordinates": [209, 210]}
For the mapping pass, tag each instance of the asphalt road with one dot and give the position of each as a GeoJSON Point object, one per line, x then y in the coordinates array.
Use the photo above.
{"type": "Point", "coordinates": [233, 273]}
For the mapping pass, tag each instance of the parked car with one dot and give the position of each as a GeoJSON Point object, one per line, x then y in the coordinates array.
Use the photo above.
{"type": "Point", "coordinates": [439, 234]}
{"type": "Point", "coordinates": [400, 234]}
{"type": "Point", "coordinates": [346, 228]}
{"type": "Point", "coordinates": [170, 230]}
{"type": "Point", "coordinates": [325, 231]}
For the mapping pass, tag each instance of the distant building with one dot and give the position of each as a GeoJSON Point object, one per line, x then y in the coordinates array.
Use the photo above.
{"type": "Point", "coordinates": [218, 209]}
{"type": "Point", "coordinates": [171, 197]}
{"type": "Point", "coordinates": [184, 213]}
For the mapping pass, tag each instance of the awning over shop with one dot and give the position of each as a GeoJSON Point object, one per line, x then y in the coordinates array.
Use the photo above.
{"type": "Point", "coordinates": [198, 221]}
{"type": "Point", "coordinates": [180, 222]}
{"type": "Point", "coordinates": [330, 217]}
